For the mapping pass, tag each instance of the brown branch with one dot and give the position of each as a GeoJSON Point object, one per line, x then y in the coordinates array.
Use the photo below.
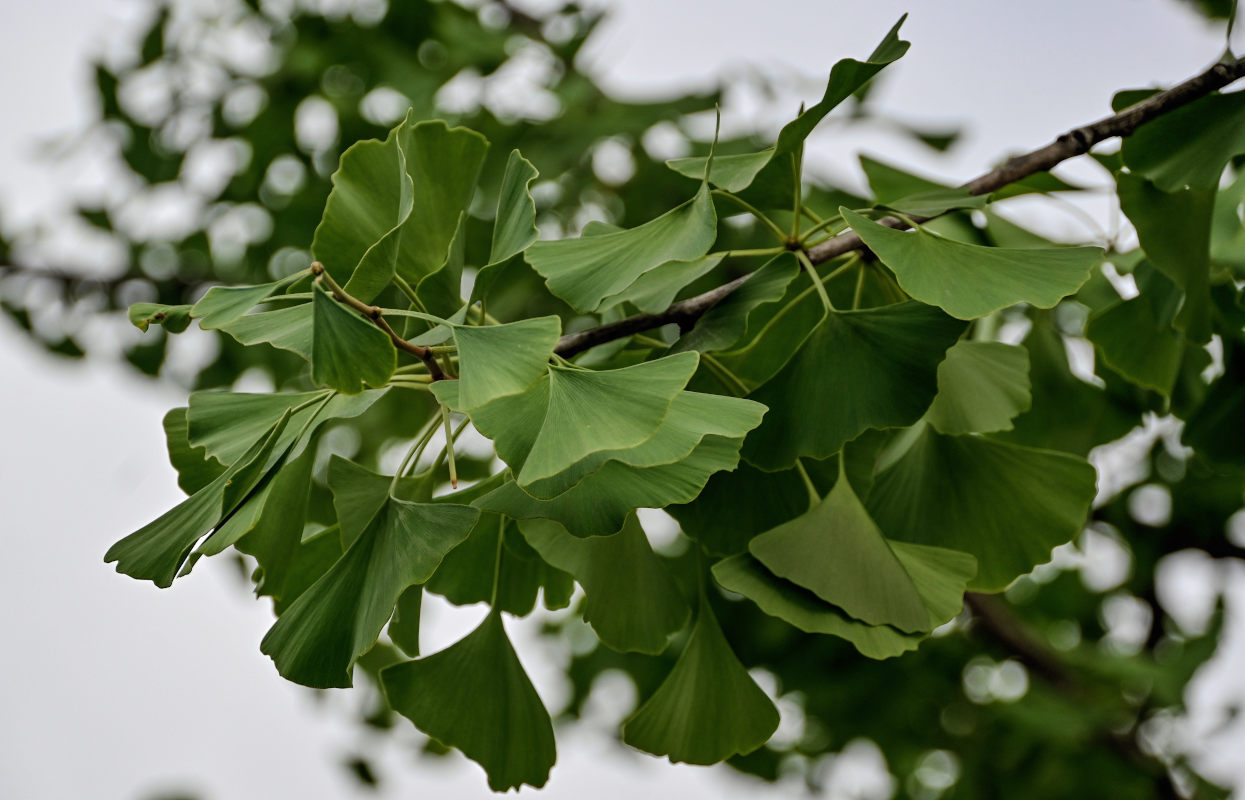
{"type": "Point", "coordinates": [375, 314]}
{"type": "Point", "coordinates": [1075, 142]}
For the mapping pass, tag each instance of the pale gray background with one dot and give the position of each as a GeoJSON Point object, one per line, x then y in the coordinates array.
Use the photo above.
{"type": "Point", "coordinates": [112, 689]}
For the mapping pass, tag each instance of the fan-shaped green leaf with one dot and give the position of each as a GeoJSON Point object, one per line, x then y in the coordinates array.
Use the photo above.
{"type": "Point", "coordinates": [224, 304]}
{"type": "Point", "coordinates": [725, 323]}
{"type": "Point", "coordinates": [656, 289]}
{"type": "Point", "coordinates": [598, 505]}
{"type": "Point", "coordinates": [403, 628]}
{"type": "Point", "coordinates": [969, 281]}
{"type": "Point", "coordinates": [708, 708]}
{"type": "Point", "coordinates": [195, 468]}
{"type": "Point", "coordinates": [982, 387]}
{"type": "Point", "coordinates": [836, 551]}
{"type": "Point", "coordinates": [1135, 337]}
{"type": "Point", "coordinates": [500, 360]}
{"type": "Point", "coordinates": [348, 353]}
{"type": "Point", "coordinates": [284, 328]}
{"type": "Point", "coordinates": [514, 229]}
{"type": "Point", "coordinates": [587, 270]}
{"type": "Point", "coordinates": [875, 368]}
{"type": "Point", "coordinates": [474, 695]}
{"type": "Point", "coordinates": [631, 600]}
{"type": "Point", "coordinates": [1191, 145]}
{"type": "Point", "coordinates": [745, 575]}
{"type": "Point", "coordinates": [157, 551]}
{"type": "Point", "coordinates": [320, 636]}
{"type": "Point", "coordinates": [1007, 505]}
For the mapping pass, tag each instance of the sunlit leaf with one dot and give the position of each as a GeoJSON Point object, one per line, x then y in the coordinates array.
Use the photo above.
{"type": "Point", "coordinates": [969, 281]}
{"type": "Point", "coordinates": [475, 696]}
{"type": "Point", "coordinates": [708, 708]}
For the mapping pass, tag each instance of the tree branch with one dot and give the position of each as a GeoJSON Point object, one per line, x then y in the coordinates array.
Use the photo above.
{"type": "Point", "coordinates": [374, 313]}
{"type": "Point", "coordinates": [1075, 142]}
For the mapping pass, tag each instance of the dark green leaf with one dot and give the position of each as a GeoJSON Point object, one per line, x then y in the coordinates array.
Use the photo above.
{"type": "Point", "coordinates": [1191, 145]}
{"type": "Point", "coordinates": [982, 387]}
{"type": "Point", "coordinates": [348, 353]}
{"type": "Point", "coordinates": [175, 319]}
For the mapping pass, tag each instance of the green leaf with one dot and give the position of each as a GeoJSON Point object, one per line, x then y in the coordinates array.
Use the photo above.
{"type": "Point", "coordinates": [574, 412]}
{"type": "Point", "coordinates": [285, 328]}
{"type": "Point", "coordinates": [157, 551]}
{"type": "Point", "coordinates": [982, 387]}
{"type": "Point", "coordinates": [1007, 505]}
{"type": "Point", "coordinates": [631, 600]}
{"type": "Point", "coordinates": [970, 281]}
{"type": "Point", "coordinates": [348, 353]}
{"type": "Point", "coordinates": [330, 625]}
{"type": "Point", "coordinates": [836, 551]}
{"type": "Point", "coordinates": [500, 360]}
{"type": "Point", "coordinates": [174, 319]}
{"type": "Point", "coordinates": [770, 172]}
{"type": "Point", "coordinates": [728, 320]}
{"type": "Point", "coordinates": [1191, 145]}
{"type": "Point", "coordinates": [691, 418]}
{"type": "Point", "coordinates": [874, 368]}
{"type": "Point", "coordinates": [599, 504]}
{"type": "Point", "coordinates": [475, 696]}
{"type": "Point", "coordinates": [277, 534]}
{"type": "Point", "coordinates": [195, 468]}
{"type": "Point", "coordinates": [224, 304]}
{"type": "Point", "coordinates": [1174, 229]}
{"type": "Point", "coordinates": [586, 271]}
{"type": "Point", "coordinates": [708, 708]}
{"type": "Point", "coordinates": [1135, 337]}
{"type": "Point", "coordinates": [404, 626]}
{"type": "Point", "coordinates": [744, 575]}
{"type": "Point", "coordinates": [655, 290]}
{"type": "Point", "coordinates": [358, 493]}
{"type": "Point", "coordinates": [514, 229]}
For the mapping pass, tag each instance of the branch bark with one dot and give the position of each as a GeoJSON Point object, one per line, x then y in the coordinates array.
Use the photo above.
{"type": "Point", "coordinates": [1075, 142]}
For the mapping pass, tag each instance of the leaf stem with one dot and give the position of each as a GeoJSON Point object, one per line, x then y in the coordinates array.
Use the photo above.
{"type": "Point", "coordinates": [754, 211]}
{"type": "Point", "coordinates": [860, 287]}
{"type": "Point", "coordinates": [820, 226]}
{"type": "Point", "coordinates": [817, 284]}
{"type": "Point", "coordinates": [449, 446]}
{"type": "Point", "coordinates": [501, 538]}
{"type": "Point", "coordinates": [417, 448]}
{"type": "Point", "coordinates": [760, 251]}
{"type": "Point", "coordinates": [813, 497]}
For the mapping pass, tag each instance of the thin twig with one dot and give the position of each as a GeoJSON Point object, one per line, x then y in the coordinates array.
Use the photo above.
{"type": "Point", "coordinates": [1075, 142]}
{"type": "Point", "coordinates": [375, 314]}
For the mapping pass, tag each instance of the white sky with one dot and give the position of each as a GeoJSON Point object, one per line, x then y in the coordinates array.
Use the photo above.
{"type": "Point", "coordinates": [116, 690]}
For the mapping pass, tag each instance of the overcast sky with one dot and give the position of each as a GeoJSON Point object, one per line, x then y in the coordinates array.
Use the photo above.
{"type": "Point", "coordinates": [116, 690]}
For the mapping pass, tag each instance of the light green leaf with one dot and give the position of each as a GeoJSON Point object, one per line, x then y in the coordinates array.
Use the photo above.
{"type": "Point", "coordinates": [1174, 229]}
{"type": "Point", "coordinates": [970, 281]}
{"type": "Point", "coordinates": [284, 328]}
{"type": "Point", "coordinates": [224, 304]}
{"type": "Point", "coordinates": [173, 319]}
{"type": "Point", "coordinates": [500, 360]}
{"type": "Point", "coordinates": [727, 322]}
{"type": "Point", "coordinates": [770, 173]}
{"type": "Point", "coordinates": [330, 625]}
{"type": "Point", "coordinates": [348, 353]}
{"type": "Point", "coordinates": [587, 270]}
{"type": "Point", "coordinates": [599, 504]}
{"type": "Point", "coordinates": [982, 387]}
{"type": "Point", "coordinates": [1007, 505]}
{"type": "Point", "coordinates": [691, 418]}
{"type": "Point", "coordinates": [655, 290]}
{"type": "Point", "coordinates": [836, 551]}
{"type": "Point", "coordinates": [157, 551]}
{"type": "Point", "coordinates": [708, 708]}
{"type": "Point", "coordinates": [631, 600]}
{"type": "Point", "coordinates": [875, 368]}
{"type": "Point", "coordinates": [514, 229]}
{"type": "Point", "coordinates": [745, 575]}
{"type": "Point", "coordinates": [1191, 145]}
{"type": "Point", "coordinates": [475, 696]}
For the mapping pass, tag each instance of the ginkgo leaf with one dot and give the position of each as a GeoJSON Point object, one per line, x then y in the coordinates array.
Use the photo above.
{"type": "Point", "coordinates": [475, 696]}
{"type": "Point", "coordinates": [275, 537]}
{"type": "Point", "coordinates": [1135, 337]}
{"type": "Point", "coordinates": [836, 551]}
{"type": "Point", "coordinates": [157, 551]}
{"type": "Point", "coordinates": [1174, 229]}
{"type": "Point", "coordinates": [195, 468]}
{"type": "Point", "coordinates": [321, 634]}
{"type": "Point", "coordinates": [224, 304]}
{"type": "Point", "coordinates": [1191, 145]}
{"type": "Point", "coordinates": [982, 387]}
{"type": "Point", "coordinates": [770, 174]}
{"type": "Point", "coordinates": [587, 270]}
{"type": "Point", "coordinates": [348, 353]}
{"type": "Point", "coordinates": [287, 328]}
{"type": "Point", "coordinates": [358, 493]}
{"type": "Point", "coordinates": [403, 628]}
{"type": "Point", "coordinates": [514, 228]}
{"type": "Point", "coordinates": [708, 708]}
{"type": "Point", "coordinates": [691, 418]}
{"type": "Point", "coordinates": [797, 606]}
{"type": "Point", "coordinates": [500, 360]}
{"type": "Point", "coordinates": [599, 504]}
{"type": "Point", "coordinates": [173, 319]}
{"type": "Point", "coordinates": [656, 289]}
{"type": "Point", "coordinates": [1007, 505]}
{"type": "Point", "coordinates": [874, 368]}
{"type": "Point", "coordinates": [631, 600]}
{"type": "Point", "coordinates": [572, 412]}
{"type": "Point", "coordinates": [970, 281]}
{"type": "Point", "coordinates": [727, 321]}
